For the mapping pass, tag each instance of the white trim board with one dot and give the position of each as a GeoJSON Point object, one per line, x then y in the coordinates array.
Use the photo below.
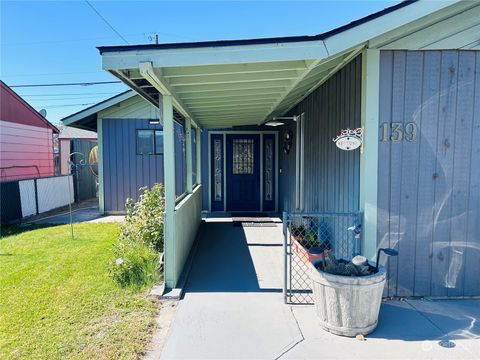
{"type": "Point", "coordinates": [98, 107]}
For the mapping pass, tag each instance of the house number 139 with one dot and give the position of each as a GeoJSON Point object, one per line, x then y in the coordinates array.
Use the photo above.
{"type": "Point", "coordinates": [398, 132]}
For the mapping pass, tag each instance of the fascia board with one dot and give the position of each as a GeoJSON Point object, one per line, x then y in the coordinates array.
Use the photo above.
{"type": "Point", "coordinates": [383, 24]}
{"type": "Point", "coordinates": [215, 56]}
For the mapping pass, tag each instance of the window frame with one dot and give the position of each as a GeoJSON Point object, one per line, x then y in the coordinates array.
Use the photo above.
{"type": "Point", "coordinates": [154, 133]}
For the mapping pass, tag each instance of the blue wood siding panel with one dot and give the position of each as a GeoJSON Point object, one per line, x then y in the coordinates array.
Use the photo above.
{"type": "Point", "coordinates": [429, 191]}
{"type": "Point", "coordinates": [331, 175]}
{"type": "Point", "coordinates": [125, 172]}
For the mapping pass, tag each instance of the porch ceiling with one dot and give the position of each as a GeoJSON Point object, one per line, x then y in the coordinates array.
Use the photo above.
{"type": "Point", "coordinates": [227, 95]}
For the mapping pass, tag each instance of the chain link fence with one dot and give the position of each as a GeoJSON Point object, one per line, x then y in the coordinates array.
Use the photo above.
{"type": "Point", "coordinates": [306, 237]}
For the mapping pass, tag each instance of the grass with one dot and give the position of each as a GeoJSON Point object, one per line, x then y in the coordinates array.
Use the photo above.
{"type": "Point", "coordinates": [57, 300]}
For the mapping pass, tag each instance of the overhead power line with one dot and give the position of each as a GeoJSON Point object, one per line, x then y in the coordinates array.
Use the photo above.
{"type": "Point", "coordinates": [67, 84]}
{"type": "Point", "coordinates": [50, 74]}
{"type": "Point", "coordinates": [106, 22]}
{"type": "Point", "coordinates": [70, 40]}
{"type": "Point", "coordinates": [66, 105]}
{"type": "Point", "coordinates": [91, 97]}
{"type": "Point", "coordinates": [72, 94]}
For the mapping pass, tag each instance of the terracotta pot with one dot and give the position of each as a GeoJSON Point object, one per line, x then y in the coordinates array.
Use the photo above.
{"type": "Point", "coordinates": [303, 253]}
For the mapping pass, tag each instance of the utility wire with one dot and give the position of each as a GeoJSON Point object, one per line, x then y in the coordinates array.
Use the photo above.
{"type": "Point", "coordinates": [68, 84]}
{"type": "Point", "coordinates": [71, 94]}
{"type": "Point", "coordinates": [106, 22]}
{"type": "Point", "coordinates": [66, 105]}
{"type": "Point", "coordinates": [50, 74]}
{"type": "Point", "coordinates": [68, 99]}
{"type": "Point", "coordinates": [137, 35]}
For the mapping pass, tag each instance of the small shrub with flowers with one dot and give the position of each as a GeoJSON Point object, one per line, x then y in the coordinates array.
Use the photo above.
{"type": "Point", "coordinates": [140, 243]}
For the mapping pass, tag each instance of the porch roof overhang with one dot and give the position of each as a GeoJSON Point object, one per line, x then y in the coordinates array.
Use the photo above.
{"type": "Point", "coordinates": [248, 82]}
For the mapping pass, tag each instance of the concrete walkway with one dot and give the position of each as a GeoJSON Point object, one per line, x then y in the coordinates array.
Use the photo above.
{"type": "Point", "coordinates": [233, 309]}
{"type": "Point", "coordinates": [87, 214]}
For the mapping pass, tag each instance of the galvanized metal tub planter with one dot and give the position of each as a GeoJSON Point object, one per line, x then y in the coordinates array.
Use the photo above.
{"type": "Point", "coordinates": [347, 305]}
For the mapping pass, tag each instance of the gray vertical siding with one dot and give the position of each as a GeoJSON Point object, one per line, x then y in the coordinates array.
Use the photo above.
{"type": "Point", "coordinates": [125, 171]}
{"type": "Point", "coordinates": [429, 189]}
{"type": "Point", "coordinates": [331, 175]}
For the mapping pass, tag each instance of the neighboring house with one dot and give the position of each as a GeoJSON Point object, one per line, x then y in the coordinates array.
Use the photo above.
{"type": "Point", "coordinates": [408, 76]}
{"type": "Point", "coordinates": [131, 139]}
{"type": "Point", "coordinates": [26, 139]}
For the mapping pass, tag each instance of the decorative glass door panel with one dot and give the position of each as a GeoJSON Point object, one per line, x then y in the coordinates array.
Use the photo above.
{"type": "Point", "coordinates": [217, 175]}
{"type": "Point", "coordinates": [269, 172]}
{"type": "Point", "coordinates": [243, 172]}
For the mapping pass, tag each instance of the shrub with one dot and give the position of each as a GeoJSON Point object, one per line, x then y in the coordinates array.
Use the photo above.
{"type": "Point", "coordinates": [144, 222]}
{"type": "Point", "coordinates": [138, 247]}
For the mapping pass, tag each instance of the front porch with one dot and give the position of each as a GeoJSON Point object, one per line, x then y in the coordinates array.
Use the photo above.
{"type": "Point", "coordinates": [235, 162]}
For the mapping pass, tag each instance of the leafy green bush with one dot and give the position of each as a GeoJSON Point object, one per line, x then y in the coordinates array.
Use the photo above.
{"type": "Point", "coordinates": [138, 247]}
{"type": "Point", "coordinates": [144, 222]}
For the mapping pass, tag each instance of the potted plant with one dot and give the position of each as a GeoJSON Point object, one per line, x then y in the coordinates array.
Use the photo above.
{"type": "Point", "coordinates": [306, 245]}
{"type": "Point", "coordinates": [348, 294]}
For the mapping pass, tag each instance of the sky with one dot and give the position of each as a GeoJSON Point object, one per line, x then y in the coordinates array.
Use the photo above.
{"type": "Point", "coordinates": [49, 42]}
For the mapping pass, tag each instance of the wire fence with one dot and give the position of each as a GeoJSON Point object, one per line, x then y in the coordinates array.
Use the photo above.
{"type": "Point", "coordinates": [307, 236]}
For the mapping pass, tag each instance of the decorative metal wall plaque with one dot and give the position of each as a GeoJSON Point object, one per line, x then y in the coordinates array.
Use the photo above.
{"type": "Point", "coordinates": [349, 139]}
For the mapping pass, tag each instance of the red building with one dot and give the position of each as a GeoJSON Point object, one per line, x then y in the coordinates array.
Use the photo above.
{"type": "Point", "coordinates": [26, 139]}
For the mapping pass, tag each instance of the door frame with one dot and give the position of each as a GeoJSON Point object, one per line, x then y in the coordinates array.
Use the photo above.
{"type": "Point", "coordinates": [246, 132]}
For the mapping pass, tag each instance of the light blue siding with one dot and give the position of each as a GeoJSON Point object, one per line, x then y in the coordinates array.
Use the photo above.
{"type": "Point", "coordinates": [429, 190]}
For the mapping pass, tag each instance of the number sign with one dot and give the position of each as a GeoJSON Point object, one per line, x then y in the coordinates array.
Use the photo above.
{"type": "Point", "coordinates": [396, 132]}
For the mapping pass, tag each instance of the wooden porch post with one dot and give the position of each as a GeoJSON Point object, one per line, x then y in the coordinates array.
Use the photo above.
{"type": "Point", "coordinates": [369, 156]}
{"type": "Point", "coordinates": [169, 182]}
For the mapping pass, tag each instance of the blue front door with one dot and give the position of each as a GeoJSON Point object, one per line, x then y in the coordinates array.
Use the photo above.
{"type": "Point", "coordinates": [243, 172]}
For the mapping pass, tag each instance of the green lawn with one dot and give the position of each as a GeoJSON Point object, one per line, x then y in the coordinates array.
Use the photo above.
{"type": "Point", "coordinates": [57, 300]}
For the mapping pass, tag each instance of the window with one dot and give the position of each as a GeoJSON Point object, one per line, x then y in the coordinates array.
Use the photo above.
{"type": "Point", "coordinates": [149, 142]}
{"type": "Point", "coordinates": [243, 156]}
{"type": "Point", "coordinates": [218, 165]}
{"type": "Point", "coordinates": [194, 156]}
{"type": "Point", "coordinates": [158, 142]}
{"type": "Point", "coordinates": [268, 169]}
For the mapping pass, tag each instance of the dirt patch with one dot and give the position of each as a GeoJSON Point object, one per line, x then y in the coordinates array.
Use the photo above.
{"type": "Point", "coordinates": [164, 319]}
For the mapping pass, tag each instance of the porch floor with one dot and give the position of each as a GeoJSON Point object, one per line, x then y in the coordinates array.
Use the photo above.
{"type": "Point", "coordinates": [233, 309]}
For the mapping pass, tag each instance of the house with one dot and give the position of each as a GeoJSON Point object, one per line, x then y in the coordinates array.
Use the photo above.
{"type": "Point", "coordinates": [403, 83]}
{"type": "Point", "coordinates": [131, 147]}
{"type": "Point", "coordinates": [26, 139]}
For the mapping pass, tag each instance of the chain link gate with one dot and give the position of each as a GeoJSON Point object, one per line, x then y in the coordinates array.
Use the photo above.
{"type": "Point", "coordinates": [306, 235]}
